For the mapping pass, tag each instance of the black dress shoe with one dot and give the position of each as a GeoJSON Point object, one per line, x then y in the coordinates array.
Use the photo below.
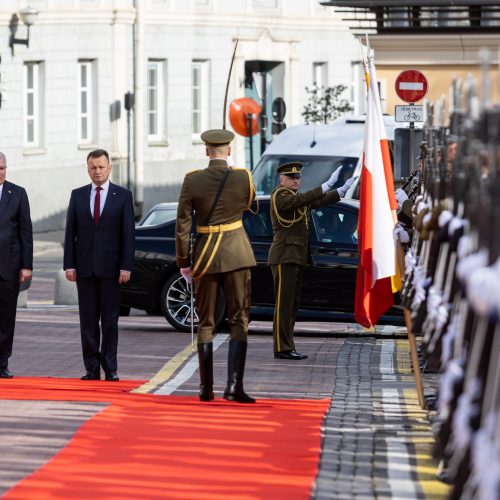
{"type": "Point", "coordinates": [293, 355]}
{"type": "Point", "coordinates": [5, 373]}
{"type": "Point", "coordinates": [112, 377]}
{"type": "Point", "coordinates": [91, 375]}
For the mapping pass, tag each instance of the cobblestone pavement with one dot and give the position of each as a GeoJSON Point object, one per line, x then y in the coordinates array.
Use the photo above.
{"type": "Point", "coordinates": [377, 440]}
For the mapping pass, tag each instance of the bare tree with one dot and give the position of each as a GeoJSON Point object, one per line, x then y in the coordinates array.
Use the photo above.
{"type": "Point", "coordinates": [325, 104]}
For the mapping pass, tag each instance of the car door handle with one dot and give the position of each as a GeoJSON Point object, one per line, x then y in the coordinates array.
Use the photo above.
{"type": "Point", "coordinates": [326, 251]}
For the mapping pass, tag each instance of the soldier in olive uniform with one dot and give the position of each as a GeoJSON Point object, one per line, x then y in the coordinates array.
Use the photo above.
{"type": "Point", "coordinates": [218, 196]}
{"type": "Point", "coordinates": [289, 250]}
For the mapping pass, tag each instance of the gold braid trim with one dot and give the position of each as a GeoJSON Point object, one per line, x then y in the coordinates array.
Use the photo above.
{"type": "Point", "coordinates": [251, 194]}
{"type": "Point", "coordinates": [203, 252]}
{"type": "Point", "coordinates": [287, 222]}
{"type": "Point", "coordinates": [210, 259]}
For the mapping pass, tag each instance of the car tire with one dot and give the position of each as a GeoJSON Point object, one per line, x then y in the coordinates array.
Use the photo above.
{"type": "Point", "coordinates": [124, 311]}
{"type": "Point", "coordinates": [175, 303]}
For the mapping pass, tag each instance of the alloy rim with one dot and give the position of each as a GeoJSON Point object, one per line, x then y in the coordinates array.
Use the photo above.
{"type": "Point", "coordinates": [179, 303]}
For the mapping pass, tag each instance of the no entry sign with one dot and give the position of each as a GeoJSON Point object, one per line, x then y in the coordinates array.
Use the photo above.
{"type": "Point", "coordinates": [411, 85]}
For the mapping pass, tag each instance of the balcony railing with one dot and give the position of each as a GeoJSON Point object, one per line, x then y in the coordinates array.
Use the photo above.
{"type": "Point", "coordinates": [421, 16]}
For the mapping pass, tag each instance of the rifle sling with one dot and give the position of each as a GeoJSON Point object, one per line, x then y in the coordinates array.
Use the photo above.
{"type": "Point", "coordinates": [217, 196]}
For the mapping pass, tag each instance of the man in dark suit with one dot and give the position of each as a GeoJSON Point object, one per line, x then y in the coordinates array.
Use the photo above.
{"type": "Point", "coordinates": [98, 255]}
{"type": "Point", "coordinates": [16, 258]}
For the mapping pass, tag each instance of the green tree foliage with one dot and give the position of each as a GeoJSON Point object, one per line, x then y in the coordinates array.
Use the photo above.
{"type": "Point", "coordinates": [325, 104]}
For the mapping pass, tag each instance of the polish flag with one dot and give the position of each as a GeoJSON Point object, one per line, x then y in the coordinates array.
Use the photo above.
{"type": "Point", "coordinates": [377, 248]}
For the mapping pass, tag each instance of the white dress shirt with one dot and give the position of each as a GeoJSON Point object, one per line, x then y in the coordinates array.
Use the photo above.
{"type": "Point", "coordinates": [102, 199]}
{"type": "Point", "coordinates": [104, 194]}
{"type": "Point", "coordinates": [1, 189]}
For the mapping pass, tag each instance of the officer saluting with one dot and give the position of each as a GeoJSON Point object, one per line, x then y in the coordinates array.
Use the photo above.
{"type": "Point", "coordinates": [218, 196]}
{"type": "Point", "coordinates": [289, 250]}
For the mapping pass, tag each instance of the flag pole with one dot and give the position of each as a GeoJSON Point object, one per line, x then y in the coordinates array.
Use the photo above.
{"type": "Point", "coordinates": [400, 263]}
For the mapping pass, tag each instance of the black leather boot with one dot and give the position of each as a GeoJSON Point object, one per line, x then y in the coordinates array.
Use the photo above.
{"type": "Point", "coordinates": [205, 359]}
{"type": "Point", "coordinates": [235, 370]}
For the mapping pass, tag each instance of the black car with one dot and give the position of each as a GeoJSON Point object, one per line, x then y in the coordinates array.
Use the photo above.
{"type": "Point", "coordinates": [328, 283]}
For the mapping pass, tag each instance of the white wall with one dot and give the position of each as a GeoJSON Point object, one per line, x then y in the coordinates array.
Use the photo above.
{"type": "Point", "coordinates": [297, 32]}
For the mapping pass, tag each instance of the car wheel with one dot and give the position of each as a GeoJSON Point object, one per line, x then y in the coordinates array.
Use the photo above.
{"type": "Point", "coordinates": [176, 304]}
{"type": "Point", "coordinates": [124, 311]}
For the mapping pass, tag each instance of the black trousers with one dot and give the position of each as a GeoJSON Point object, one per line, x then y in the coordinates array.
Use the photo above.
{"type": "Point", "coordinates": [99, 307]}
{"type": "Point", "coordinates": [9, 291]}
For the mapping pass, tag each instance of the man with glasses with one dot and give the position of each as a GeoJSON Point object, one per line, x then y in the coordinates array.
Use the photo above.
{"type": "Point", "coordinates": [289, 252]}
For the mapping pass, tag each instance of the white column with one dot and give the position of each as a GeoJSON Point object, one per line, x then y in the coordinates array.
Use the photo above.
{"type": "Point", "coordinates": [121, 31]}
{"type": "Point", "coordinates": [139, 103]}
{"type": "Point", "coordinates": [292, 90]}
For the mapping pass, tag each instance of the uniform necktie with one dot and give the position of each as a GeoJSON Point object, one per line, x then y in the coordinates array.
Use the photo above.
{"type": "Point", "coordinates": [97, 205]}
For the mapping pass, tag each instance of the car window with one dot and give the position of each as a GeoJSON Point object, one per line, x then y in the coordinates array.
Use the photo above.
{"type": "Point", "coordinates": [258, 225]}
{"type": "Point", "coordinates": [159, 216]}
{"type": "Point", "coordinates": [335, 225]}
{"type": "Point", "coordinates": [316, 170]}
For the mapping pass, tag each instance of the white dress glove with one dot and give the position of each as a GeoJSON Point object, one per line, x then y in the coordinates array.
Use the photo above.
{"type": "Point", "coordinates": [342, 190]}
{"type": "Point", "coordinates": [186, 274]}
{"type": "Point", "coordinates": [401, 197]}
{"type": "Point", "coordinates": [327, 185]}
{"type": "Point", "coordinates": [400, 233]}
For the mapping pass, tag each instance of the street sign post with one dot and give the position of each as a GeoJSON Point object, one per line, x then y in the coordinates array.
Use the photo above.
{"type": "Point", "coordinates": [411, 86]}
{"type": "Point", "coordinates": [409, 113]}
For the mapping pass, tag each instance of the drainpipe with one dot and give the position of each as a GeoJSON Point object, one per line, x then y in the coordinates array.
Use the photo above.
{"type": "Point", "coordinates": [138, 109]}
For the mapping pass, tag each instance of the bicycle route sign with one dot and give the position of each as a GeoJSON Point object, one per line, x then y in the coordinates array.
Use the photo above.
{"type": "Point", "coordinates": [411, 85]}
{"type": "Point", "coordinates": [409, 113]}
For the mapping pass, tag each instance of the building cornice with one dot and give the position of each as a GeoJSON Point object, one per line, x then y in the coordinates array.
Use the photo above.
{"type": "Point", "coordinates": [433, 49]}
{"type": "Point", "coordinates": [168, 18]}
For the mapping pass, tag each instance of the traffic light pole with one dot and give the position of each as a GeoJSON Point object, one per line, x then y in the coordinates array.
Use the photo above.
{"type": "Point", "coordinates": [411, 148]}
{"type": "Point", "coordinates": [250, 138]}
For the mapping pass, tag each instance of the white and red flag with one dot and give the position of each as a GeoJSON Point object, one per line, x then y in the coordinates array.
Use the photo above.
{"type": "Point", "coordinates": [377, 248]}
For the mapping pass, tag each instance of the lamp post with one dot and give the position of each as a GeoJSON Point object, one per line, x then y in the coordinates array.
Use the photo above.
{"type": "Point", "coordinates": [129, 105]}
{"type": "Point", "coordinates": [28, 17]}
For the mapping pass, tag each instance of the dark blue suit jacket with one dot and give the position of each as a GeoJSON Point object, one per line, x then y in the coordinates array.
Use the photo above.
{"type": "Point", "coordinates": [103, 249]}
{"type": "Point", "coordinates": [16, 234]}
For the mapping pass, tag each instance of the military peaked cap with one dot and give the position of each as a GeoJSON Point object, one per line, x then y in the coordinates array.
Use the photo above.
{"type": "Point", "coordinates": [291, 169]}
{"type": "Point", "coordinates": [217, 137]}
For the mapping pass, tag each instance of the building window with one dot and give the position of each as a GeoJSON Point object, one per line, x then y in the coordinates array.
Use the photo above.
{"type": "Point", "coordinates": [320, 76]}
{"type": "Point", "coordinates": [85, 102]}
{"type": "Point", "coordinates": [31, 104]}
{"type": "Point", "coordinates": [156, 100]}
{"type": "Point", "coordinates": [200, 93]}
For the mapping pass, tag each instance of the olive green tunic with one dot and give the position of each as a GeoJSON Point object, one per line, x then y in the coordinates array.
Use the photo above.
{"type": "Point", "coordinates": [290, 211]}
{"type": "Point", "coordinates": [231, 256]}
{"type": "Point", "coordinates": [197, 195]}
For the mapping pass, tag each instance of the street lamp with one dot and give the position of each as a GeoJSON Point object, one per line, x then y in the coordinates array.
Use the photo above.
{"type": "Point", "coordinates": [28, 15]}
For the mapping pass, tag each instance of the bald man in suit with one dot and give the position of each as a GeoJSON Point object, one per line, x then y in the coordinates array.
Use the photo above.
{"type": "Point", "coordinates": [16, 258]}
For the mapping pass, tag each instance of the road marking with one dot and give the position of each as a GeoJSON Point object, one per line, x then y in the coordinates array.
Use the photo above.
{"type": "Point", "coordinates": [160, 379]}
{"type": "Point", "coordinates": [419, 438]}
{"type": "Point", "coordinates": [399, 467]}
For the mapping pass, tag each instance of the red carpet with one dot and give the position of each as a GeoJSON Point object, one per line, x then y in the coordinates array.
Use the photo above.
{"type": "Point", "coordinates": [148, 446]}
